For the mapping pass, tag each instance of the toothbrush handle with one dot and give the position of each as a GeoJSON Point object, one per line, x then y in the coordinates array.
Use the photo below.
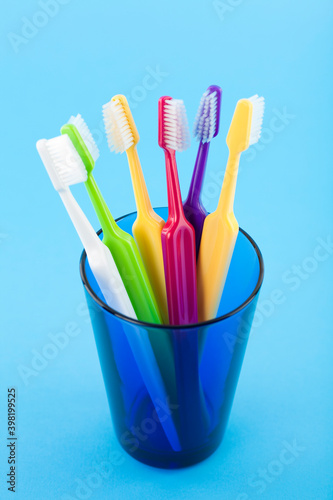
{"type": "Point", "coordinates": [218, 241]}
{"type": "Point", "coordinates": [144, 355]}
{"type": "Point", "coordinates": [178, 246]}
{"type": "Point", "coordinates": [99, 257]}
{"type": "Point", "coordinates": [174, 194]}
{"type": "Point", "coordinates": [113, 290]}
{"type": "Point", "coordinates": [193, 411]}
{"type": "Point", "coordinates": [104, 215]}
{"type": "Point", "coordinates": [198, 174]}
{"type": "Point", "coordinates": [195, 213]}
{"type": "Point", "coordinates": [83, 227]}
{"type": "Point", "coordinates": [139, 185]}
{"type": "Point", "coordinates": [227, 196]}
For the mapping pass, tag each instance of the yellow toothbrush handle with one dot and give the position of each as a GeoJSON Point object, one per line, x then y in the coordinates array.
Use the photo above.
{"type": "Point", "coordinates": [217, 245]}
{"type": "Point", "coordinates": [139, 184]}
{"type": "Point", "coordinates": [147, 231]}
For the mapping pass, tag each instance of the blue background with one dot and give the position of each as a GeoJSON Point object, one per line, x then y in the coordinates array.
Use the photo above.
{"type": "Point", "coordinates": [80, 58]}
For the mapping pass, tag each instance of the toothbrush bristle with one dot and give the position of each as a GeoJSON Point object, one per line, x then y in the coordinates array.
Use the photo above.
{"type": "Point", "coordinates": [86, 135]}
{"type": "Point", "coordinates": [176, 130]}
{"type": "Point", "coordinates": [257, 118]}
{"type": "Point", "coordinates": [118, 130]}
{"type": "Point", "coordinates": [205, 123]}
{"type": "Point", "coordinates": [65, 161]}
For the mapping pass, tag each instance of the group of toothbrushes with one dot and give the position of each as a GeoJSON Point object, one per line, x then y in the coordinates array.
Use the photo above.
{"type": "Point", "coordinates": [169, 273]}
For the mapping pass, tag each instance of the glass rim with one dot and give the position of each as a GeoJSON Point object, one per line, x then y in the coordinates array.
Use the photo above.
{"type": "Point", "coordinates": [235, 311]}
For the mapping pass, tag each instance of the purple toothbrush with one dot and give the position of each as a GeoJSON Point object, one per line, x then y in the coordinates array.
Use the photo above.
{"type": "Point", "coordinates": [206, 126]}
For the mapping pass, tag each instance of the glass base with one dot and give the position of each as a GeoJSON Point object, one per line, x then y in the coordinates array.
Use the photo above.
{"type": "Point", "coordinates": [142, 436]}
{"type": "Point", "coordinates": [175, 460]}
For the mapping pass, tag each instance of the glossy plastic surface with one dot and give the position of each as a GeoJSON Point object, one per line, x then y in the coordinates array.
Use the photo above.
{"type": "Point", "coordinates": [127, 258]}
{"type": "Point", "coordinates": [147, 231]}
{"type": "Point", "coordinates": [194, 211]}
{"type": "Point", "coordinates": [123, 137]}
{"type": "Point", "coordinates": [220, 228]}
{"type": "Point", "coordinates": [178, 236]}
{"type": "Point", "coordinates": [138, 415]}
{"type": "Point", "coordinates": [179, 256]}
{"type": "Point", "coordinates": [121, 245]}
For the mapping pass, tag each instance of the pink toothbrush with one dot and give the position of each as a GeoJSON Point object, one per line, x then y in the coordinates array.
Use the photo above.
{"type": "Point", "coordinates": [178, 236]}
{"type": "Point", "coordinates": [179, 257]}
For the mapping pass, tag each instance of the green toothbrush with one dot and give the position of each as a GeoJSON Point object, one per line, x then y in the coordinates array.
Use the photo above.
{"type": "Point", "coordinates": [121, 245]}
{"type": "Point", "coordinates": [126, 256]}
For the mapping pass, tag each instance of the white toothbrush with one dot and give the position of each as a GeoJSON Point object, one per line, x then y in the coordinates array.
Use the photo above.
{"type": "Point", "coordinates": [65, 168]}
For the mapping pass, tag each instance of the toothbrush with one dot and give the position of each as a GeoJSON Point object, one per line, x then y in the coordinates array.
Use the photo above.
{"type": "Point", "coordinates": [126, 256]}
{"type": "Point", "coordinates": [121, 245]}
{"type": "Point", "coordinates": [221, 227]}
{"type": "Point", "coordinates": [206, 127]}
{"type": "Point", "coordinates": [178, 244]}
{"type": "Point", "coordinates": [123, 136]}
{"type": "Point", "coordinates": [65, 167]}
{"type": "Point", "coordinates": [178, 236]}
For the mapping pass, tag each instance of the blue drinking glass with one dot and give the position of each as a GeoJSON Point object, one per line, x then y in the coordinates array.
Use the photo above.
{"type": "Point", "coordinates": [167, 411]}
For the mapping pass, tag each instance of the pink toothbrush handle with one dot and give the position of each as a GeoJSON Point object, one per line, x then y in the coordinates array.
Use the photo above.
{"type": "Point", "coordinates": [179, 254]}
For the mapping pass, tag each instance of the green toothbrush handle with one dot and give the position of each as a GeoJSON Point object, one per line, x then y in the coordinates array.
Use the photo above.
{"type": "Point", "coordinates": [127, 258]}
{"type": "Point", "coordinates": [131, 269]}
{"type": "Point", "coordinates": [103, 213]}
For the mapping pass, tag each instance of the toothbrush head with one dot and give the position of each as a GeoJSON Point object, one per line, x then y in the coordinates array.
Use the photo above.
{"type": "Point", "coordinates": [207, 120]}
{"type": "Point", "coordinates": [173, 131]}
{"type": "Point", "coordinates": [119, 124]}
{"type": "Point", "coordinates": [258, 104]}
{"type": "Point", "coordinates": [62, 162]}
{"type": "Point", "coordinates": [83, 141]}
{"type": "Point", "coordinates": [245, 128]}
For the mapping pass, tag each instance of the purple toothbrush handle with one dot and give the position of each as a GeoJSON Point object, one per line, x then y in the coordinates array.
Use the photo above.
{"type": "Point", "coordinates": [193, 209]}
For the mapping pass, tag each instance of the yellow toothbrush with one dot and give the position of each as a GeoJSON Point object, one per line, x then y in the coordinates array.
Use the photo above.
{"type": "Point", "coordinates": [221, 227]}
{"type": "Point", "coordinates": [123, 136]}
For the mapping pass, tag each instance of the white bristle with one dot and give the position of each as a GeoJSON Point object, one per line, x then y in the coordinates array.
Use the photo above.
{"type": "Point", "coordinates": [257, 118]}
{"type": "Point", "coordinates": [62, 161]}
{"type": "Point", "coordinates": [206, 119]}
{"type": "Point", "coordinates": [86, 135]}
{"type": "Point", "coordinates": [176, 130]}
{"type": "Point", "coordinates": [118, 130]}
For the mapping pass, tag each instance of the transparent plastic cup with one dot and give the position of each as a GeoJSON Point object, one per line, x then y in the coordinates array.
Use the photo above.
{"type": "Point", "coordinates": [170, 406]}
